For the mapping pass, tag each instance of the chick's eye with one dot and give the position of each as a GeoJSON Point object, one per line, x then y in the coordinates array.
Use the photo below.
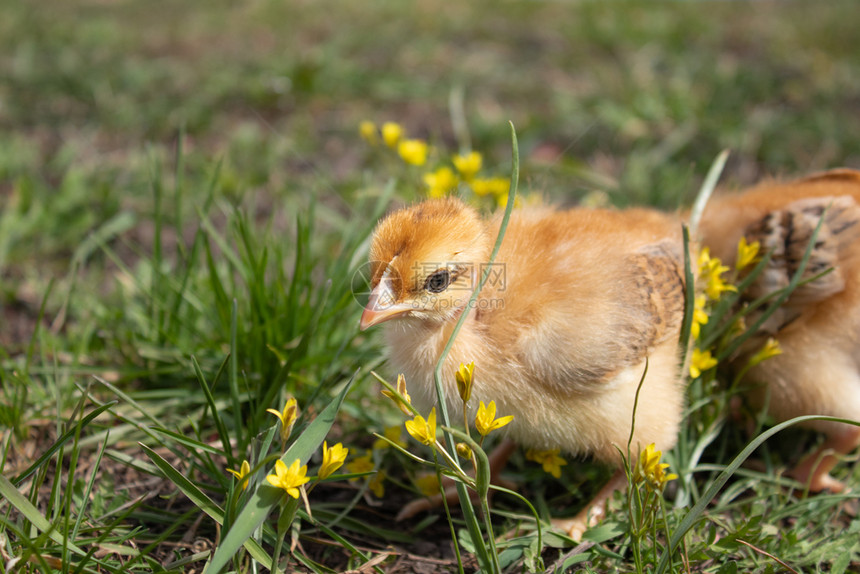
{"type": "Point", "coordinates": [438, 281]}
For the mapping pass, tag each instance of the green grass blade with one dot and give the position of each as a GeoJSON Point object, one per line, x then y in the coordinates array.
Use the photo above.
{"type": "Point", "coordinates": [31, 513]}
{"type": "Point", "coordinates": [197, 496]}
{"type": "Point", "coordinates": [31, 348]}
{"type": "Point", "coordinates": [353, 524]}
{"type": "Point", "coordinates": [221, 301]}
{"type": "Point", "coordinates": [31, 553]}
{"type": "Point", "coordinates": [201, 501]}
{"type": "Point", "coordinates": [126, 399]}
{"type": "Point", "coordinates": [216, 417]}
{"type": "Point", "coordinates": [689, 297]}
{"type": "Point", "coordinates": [233, 376]}
{"type": "Point", "coordinates": [68, 435]}
{"type": "Point", "coordinates": [706, 190]}
{"type": "Point", "coordinates": [195, 446]}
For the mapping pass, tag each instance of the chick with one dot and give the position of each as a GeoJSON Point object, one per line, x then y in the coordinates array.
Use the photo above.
{"type": "Point", "coordinates": [576, 302]}
{"type": "Point", "coordinates": [818, 328]}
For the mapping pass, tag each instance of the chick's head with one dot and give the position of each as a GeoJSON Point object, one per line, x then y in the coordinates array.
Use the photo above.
{"type": "Point", "coordinates": [425, 262]}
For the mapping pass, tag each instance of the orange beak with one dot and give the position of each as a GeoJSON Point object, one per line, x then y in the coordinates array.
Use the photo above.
{"type": "Point", "coordinates": [381, 306]}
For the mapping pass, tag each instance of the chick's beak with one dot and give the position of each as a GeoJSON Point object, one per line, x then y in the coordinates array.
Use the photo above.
{"type": "Point", "coordinates": [381, 306]}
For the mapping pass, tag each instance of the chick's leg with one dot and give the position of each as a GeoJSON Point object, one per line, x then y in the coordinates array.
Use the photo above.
{"type": "Point", "coordinates": [595, 511]}
{"type": "Point", "coordinates": [498, 459]}
{"type": "Point", "coordinates": [814, 469]}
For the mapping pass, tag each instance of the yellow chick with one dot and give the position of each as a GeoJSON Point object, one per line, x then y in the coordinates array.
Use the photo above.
{"type": "Point", "coordinates": [576, 302]}
{"type": "Point", "coordinates": [818, 328]}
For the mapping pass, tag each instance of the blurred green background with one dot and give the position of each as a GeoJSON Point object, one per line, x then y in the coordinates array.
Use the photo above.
{"type": "Point", "coordinates": [632, 98]}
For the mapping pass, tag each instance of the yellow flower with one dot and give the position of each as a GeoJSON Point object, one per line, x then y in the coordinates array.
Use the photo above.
{"type": "Point", "coordinates": [704, 259]}
{"type": "Point", "coordinates": [649, 459]}
{"type": "Point", "coordinates": [401, 388]}
{"type": "Point", "coordinates": [421, 430]}
{"type": "Point", "coordinates": [465, 375]}
{"type": "Point", "coordinates": [441, 182]}
{"type": "Point", "coordinates": [486, 421]}
{"type": "Point", "coordinates": [711, 270]}
{"type": "Point", "coordinates": [492, 186]}
{"type": "Point", "coordinates": [428, 484]}
{"type": "Point", "coordinates": [549, 459]}
{"type": "Point", "coordinates": [360, 465]}
{"type": "Point", "coordinates": [242, 474]}
{"type": "Point", "coordinates": [413, 152]}
{"type": "Point", "coordinates": [700, 316]}
{"type": "Point", "coordinates": [392, 434]}
{"type": "Point", "coordinates": [287, 418]}
{"type": "Point", "coordinates": [770, 349]}
{"type": "Point", "coordinates": [333, 459]}
{"type": "Point", "coordinates": [468, 165]}
{"type": "Point", "coordinates": [368, 132]}
{"type": "Point", "coordinates": [747, 253]}
{"type": "Point", "coordinates": [364, 464]}
{"type": "Point", "coordinates": [391, 133]}
{"type": "Point", "coordinates": [651, 469]}
{"type": "Point", "coordinates": [701, 361]}
{"type": "Point", "coordinates": [289, 479]}
{"type": "Point", "coordinates": [464, 450]}
{"type": "Point", "coordinates": [376, 485]}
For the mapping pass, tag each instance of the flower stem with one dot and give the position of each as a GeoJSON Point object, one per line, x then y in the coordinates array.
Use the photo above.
{"type": "Point", "coordinates": [447, 510]}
